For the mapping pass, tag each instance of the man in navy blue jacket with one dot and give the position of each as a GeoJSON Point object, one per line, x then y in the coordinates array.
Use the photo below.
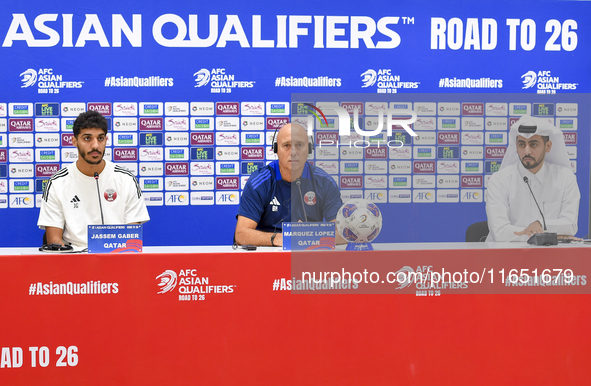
{"type": "Point", "coordinates": [287, 190]}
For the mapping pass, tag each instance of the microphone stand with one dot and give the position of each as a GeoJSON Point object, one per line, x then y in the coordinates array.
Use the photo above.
{"type": "Point", "coordinates": [545, 238]}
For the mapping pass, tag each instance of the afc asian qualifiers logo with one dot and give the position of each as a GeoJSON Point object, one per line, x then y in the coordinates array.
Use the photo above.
{"type": "Point", "coordinates": [167, 281]}
{"type": "Point", "coordinates": [110, 195]}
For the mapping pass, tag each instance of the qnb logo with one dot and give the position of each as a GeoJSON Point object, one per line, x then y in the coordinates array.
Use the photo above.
{"type": "Point", "coordinates": [167, 281]}
{"type": "Point", "coordinates": [202, 77]}
{"type": "Point", "coordinates": [368, 78]}
{"type": "Point", "coordinates": [29, 78]}
{"type": "Point", "coordinates": [529, 79]}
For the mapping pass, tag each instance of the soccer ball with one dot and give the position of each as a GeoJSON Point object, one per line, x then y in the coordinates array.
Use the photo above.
{"type": "Point", "coordinates": [359, 221]}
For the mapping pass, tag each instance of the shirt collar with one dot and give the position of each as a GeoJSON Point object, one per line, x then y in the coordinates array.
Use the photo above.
{"type": "Point", "coordinates": [305, 173]}
{"type": "Point", "coordinates": [540, 175]}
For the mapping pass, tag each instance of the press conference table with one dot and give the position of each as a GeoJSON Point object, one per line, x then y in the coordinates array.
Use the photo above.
{"type": "Point", "coordinates": [231, 318]}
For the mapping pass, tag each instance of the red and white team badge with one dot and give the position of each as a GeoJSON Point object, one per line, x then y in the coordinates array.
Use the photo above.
{"type": "Point", "coordinates": [310, 198]}
{"type": "Point", "coordinates": [110, 195]}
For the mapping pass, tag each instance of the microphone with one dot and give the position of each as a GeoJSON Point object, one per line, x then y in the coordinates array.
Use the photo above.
{"type": "Point", "coordinates": [98, 191]}
{"type": "Point", "coordinates": [526, 180]}
{"type": "Point", "coordinates": [546, 238]}
{"type": "Point", "coordinates": [299, 183]}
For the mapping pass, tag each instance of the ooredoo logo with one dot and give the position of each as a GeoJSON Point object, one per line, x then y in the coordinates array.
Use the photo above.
{"type": "Point", "coordinates": [167, 281]}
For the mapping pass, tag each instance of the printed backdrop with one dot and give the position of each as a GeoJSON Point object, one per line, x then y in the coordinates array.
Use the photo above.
{"type": "Point", "coordinates": [194, 91]}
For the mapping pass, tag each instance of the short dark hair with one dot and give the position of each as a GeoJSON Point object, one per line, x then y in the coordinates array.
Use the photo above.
{"type": "Point", "coordinates": [90, 120]}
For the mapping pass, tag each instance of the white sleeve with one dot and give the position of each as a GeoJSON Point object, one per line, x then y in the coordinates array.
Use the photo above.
{"type": "Point", "coordinates": [51, 214]}
{"type": "Point", "coordinates": [566, 223]}
{"type": "Point", "coordinates": [497, 212]}
{"type": "Point", "coordinates": [135, 207]}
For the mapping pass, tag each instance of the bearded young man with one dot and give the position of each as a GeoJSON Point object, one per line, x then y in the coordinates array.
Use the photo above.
{"type": "Point", "coordinates": [536, 158]}
{"type": "Point", "coordinates": [71, 198]}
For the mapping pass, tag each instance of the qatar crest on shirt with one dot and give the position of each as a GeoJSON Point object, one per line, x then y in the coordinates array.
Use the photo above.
{"type": "Point", "coordinates": [310, 198]}
{"type": "Point", "coordinates": [110, 195]}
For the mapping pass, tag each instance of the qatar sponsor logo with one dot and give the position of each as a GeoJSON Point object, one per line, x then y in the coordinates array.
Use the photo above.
{"type": "Point", "coordinates": [125, 154]}
{"type": "Point", "coordinates": [275, 123]}
{"type": "Point", "coordinates": [151, 124]}
{"type": "Point", "coordinates": [102, 108]}
{"type": "Point", "coordinates": [351, 182]}
{"type": "Point", "coordinates": [570, 138]}
{"type": "Point", "coordinates": [227, 108]}
{"type": "Point", "coordinates": [472, 108]}
{"type": "Point", "coordinates": [423, 166]}
{"type": "Point", "coordinates": [376, 152]}
{"type": "Point", "coordinates": [124, 108]}
{"type": "Point", "coordinates": [176, 168]}
{"type": "Point", "coordinates": [327, 138]}
{"type": "Point", "coordinates": [227, 183]}
{"type": "Point", "coordinates": [495, 152]}
{"type": "Point", "coordinates": [472, 182]}
{"type": "Point", "coordinates": [3, 156]}
{"type": "Point", "coordinates": [252, 153]}
{"type": "Point", "coordinates": [202, 139]}
{"type": "Point", "coordinates": [448, 138]}
{"type": "Point", "coordinates": [352, 106]}
{"type": "Point", "coordinates": [20, 124]}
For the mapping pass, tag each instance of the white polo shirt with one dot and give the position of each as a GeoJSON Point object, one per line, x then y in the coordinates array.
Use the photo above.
{"type": "Point", "coordinates": [71, 201]}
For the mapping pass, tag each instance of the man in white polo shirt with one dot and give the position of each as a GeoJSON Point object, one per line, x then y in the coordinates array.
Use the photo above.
{"type": "Point", "coordinates": [71, 198]}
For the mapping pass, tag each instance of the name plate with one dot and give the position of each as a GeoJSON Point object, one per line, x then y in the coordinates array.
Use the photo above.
{"type": "Point", "coordinates": [311, 236]}
{"type": "Point", "coordinates": [115, 238]}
